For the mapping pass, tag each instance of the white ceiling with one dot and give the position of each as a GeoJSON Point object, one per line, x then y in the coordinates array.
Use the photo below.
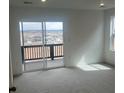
{"type": "Point", "coordinates": [68, 4]}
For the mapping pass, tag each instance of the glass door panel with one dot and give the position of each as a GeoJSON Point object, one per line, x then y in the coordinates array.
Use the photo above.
{"type": "Point", "coordinates": [32, 45]}
{"type": "Point", "coordinates": [54, 40]}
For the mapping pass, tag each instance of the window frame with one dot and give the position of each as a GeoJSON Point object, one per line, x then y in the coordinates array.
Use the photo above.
{"type": "Point", "coordinates": [112, 33]}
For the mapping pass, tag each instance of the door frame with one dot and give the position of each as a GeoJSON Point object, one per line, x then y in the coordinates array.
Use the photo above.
{"type": "Point", "coordinates": [43, 30]}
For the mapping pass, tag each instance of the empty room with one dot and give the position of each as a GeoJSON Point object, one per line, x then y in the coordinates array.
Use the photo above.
{"type": "Point", "coordinates": [62, 46]}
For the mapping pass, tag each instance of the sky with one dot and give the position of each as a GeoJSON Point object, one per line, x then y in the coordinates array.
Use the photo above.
{"type": "Point", "coordinates": [38, 26]}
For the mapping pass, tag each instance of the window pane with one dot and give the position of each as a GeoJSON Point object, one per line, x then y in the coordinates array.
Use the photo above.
{"type": "Point", "coordinates": [54, 32]}
{"type": "Point", "coordinates": [32, 32]}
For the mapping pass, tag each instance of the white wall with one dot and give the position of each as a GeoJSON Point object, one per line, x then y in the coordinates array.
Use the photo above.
{"type": "Point", "coordinates": [15, 45]}
{"type": "Point", "coordinates": [83, 33]}
{"type": "Point", "coordinates": [109, 55]}
{"type": "Point", "coordinates": [84, 41]}
{"type": "Point", "coordinates": [10, 71]}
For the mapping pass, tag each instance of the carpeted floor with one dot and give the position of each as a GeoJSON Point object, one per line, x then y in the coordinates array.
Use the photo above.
{"type": "Point", "coordinates": [67, 80]}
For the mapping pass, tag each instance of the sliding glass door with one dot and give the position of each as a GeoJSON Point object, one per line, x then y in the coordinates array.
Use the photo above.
{"type": "Point", "coordinates": [32, 41]}
{"type": "Point", "coordinates": [54, 38]}
{"type": "Point", "coordinates": [41, 44]}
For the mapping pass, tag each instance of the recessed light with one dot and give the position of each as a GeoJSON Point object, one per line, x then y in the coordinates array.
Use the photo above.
{"type": "Point", "coordinates": [102, 4]}
{"type": "Point", "coordinates": [43, 0]}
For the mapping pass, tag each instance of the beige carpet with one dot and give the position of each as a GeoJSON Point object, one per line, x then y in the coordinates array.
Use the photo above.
{"type": "Point", "coordinates": [67, 80]}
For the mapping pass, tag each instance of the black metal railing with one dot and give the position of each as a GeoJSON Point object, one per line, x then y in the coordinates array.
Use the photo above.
{"type": "Point", "coordinates": [34, 52]}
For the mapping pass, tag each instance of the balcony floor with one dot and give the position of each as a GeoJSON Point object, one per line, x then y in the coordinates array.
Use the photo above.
{"type": "Point", "coordinates": [38, 64]}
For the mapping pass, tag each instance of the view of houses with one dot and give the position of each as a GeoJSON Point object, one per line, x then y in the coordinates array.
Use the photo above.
{"type": "Point", "coordinates": [36, 37]}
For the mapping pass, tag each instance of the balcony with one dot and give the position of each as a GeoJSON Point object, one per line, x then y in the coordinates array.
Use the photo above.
{"type": "Point", "coordinates": [33, 55]}
{"type": "Point", "coordinates": [35, 52]}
